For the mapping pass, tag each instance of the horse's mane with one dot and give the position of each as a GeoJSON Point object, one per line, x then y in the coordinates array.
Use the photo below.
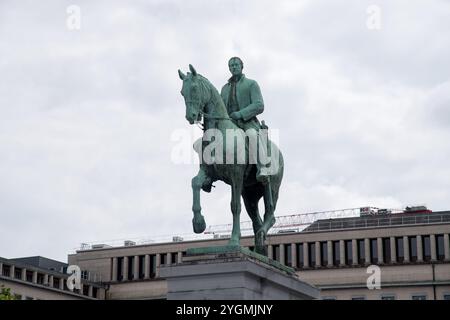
{"type": "Point", "coordinates": [205, 83]}
{"type": "Point", "coordinates": [206, 86]}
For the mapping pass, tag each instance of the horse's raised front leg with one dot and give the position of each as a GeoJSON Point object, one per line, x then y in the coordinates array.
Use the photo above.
{"type": "Point", "coordinates": [198, 222]}
{"type": "Point", "coordinates": [236, 191]}
{"type": "Point", "coordinates": [269, 220]}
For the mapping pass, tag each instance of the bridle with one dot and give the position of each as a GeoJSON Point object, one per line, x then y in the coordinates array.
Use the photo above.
{"type": "Point", "coordinates": [208, 116]}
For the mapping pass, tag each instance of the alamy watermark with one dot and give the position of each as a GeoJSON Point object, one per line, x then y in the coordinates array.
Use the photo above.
{"type": "Point", "coordinates": [236, 146]}
{"type": "Point", "coordinates": [374, 280]}
{"type": "Point", "coordinates": [373, 21]}
{"type": "Point", "coordinates": [74, 280]}
{"type": "Point", "coordinates": [73, 21]}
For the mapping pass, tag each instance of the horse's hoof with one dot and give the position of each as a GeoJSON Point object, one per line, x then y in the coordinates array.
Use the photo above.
{"type": "Point", "coordinates": [207, 186]}
{"type": "Point", "coordinates": [199, 224]}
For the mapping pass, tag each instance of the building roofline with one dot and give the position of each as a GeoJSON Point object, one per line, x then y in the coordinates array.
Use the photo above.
{"type": "Point", "coordinates": [40, 286]}
{"type": "Point", "coordinates": [39, 257]}
{"type": "Point", "coordinates": [44, 271]}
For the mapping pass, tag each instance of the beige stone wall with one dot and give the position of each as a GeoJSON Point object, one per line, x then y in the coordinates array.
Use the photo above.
{"type": "Point", "coordinates": [401, 279]}
{"type": "Point", "coordinates": [100, 260]}
{"type": "Point", "coordinates": [347, 234]}
{"type": "Point", "coordinates": [151, 289]}
{"type": "Point", "coordinates": [389, 274]}
{"type": "Point", "coordinates": [99, 266]}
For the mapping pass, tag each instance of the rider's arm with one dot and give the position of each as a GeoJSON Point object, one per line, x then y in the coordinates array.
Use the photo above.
{"type": "Point", "coordinates": [257, 104]}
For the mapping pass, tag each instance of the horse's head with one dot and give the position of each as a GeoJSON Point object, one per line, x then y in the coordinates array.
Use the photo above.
{"type": "Point", "coordinates": [192, 93]}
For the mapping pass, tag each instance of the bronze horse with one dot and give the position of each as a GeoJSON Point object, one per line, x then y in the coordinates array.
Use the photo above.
{"type": "Point", "coordinates": [202, 100]}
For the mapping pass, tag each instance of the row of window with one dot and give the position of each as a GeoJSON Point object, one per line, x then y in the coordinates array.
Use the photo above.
{"type": "Point", "coordinates": [123, 274]}
{"type": "Point", "coordinates": [347, 253]}
{"type": "Point", "coordinates": [361, 251]}
{"type": "Point", "coordinates": [40, 279]}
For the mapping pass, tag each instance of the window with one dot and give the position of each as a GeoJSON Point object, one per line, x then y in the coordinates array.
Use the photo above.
{"type": "Point", "coordinates": [56, 283]}
{"type": "Point", "coordinates": [40, 278]}
{"type": "Point", "coordinates": [336, 253]}
{"type": "Point", "coordinates": [388, 297]}
{"type": "Point", "coordinates": [361, 251]}
{"type": "Point", "coordinates": [419, 297]}
{"type": "Point", "coordinates": [152, 265]}
{"type": "Point", "coordinates": [374, 250]}
{"type": "Point", "coordinates": [348, 252]}
{"type": "Point", "coordinates": [412, 248]}
{"type": "Point", "coordinates": [141, 267]}
{"type": "Point", "coordinates": [324, 253]}
{"type": "Point", "coordinates": [440, 247]}
{"type": "Point", "coordinates": [85, 290]}
{"type": "Point", "coordinates": [312, 254]}
{"type": "Point", "coordinates": [387, 250]}
{"type": "Point", "coordinates": [120, 269]}
{"type": "Point", "coordinates": [6, 270]}
{"type": "Point", "coordinates": [399, 250]}
{"type": "Point", "coordinates": [84, 275]}
{"type": "Point", "coordinates": [288, 254]}
{"type": "Point", "coordinates": [163, 258]}
{"type": "Point", "coordinates": [276, 252]}
{"type": "Point", "coordinates": [426, 248]}
{"type": "Point", "coordinates": [174, 257]}
{"type": "Point", "coordinates": [446, 296]}
{"type": "Point", "coordinates": [18, 273]}
{"type": "Point", "coordinates": [130, 267]}
{"type": "Point", "coordinates": [29, 276]}
{"type": "Point", "coordinates": [300, 259]}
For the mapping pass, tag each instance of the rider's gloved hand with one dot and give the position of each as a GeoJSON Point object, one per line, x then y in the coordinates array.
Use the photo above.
{"type": "Point", "coordinates": [236, 115]}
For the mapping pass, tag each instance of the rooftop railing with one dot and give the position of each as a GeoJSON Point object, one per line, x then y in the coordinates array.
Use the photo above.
{"type": "Point", "coordinates": [309, 222]}
{"type": "Point", "coordinates": [374, 221]}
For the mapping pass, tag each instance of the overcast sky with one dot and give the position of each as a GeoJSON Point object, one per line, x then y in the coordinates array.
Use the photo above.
{"type": "Point", "coordinates": [87, 117]}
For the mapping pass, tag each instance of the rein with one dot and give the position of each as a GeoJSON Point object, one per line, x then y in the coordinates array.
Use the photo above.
{"type": "Point", "coordinates": [207, 116]}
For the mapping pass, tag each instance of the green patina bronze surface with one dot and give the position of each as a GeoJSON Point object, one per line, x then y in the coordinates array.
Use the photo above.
{"type": "Point", "coordinates": [218, 250]}
{"type": "Point", "coordinates": [235, 109]}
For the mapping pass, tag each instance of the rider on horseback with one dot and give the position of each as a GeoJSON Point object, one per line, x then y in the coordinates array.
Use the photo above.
{"type": "Point", "coordinates": [244, 102]}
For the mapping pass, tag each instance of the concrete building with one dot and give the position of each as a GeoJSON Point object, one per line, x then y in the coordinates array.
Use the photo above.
{"type": "Point", "coordinates": [410, 249]}
{"type": "Point", "coordinates": [39, 278]}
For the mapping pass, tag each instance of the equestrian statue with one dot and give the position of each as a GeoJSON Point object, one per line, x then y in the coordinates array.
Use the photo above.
{"type": "Point", "coordinates": [235, 149]}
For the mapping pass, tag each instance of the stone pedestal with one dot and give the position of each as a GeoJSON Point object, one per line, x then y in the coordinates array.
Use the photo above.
{"type": "Point", "coordinates": [233, 273]}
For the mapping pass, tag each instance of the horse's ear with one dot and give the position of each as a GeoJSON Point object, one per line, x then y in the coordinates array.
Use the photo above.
{"type": "Point", "coordinates": [194, 73]}
{"type": "Point", "coordinates": [181, 75]}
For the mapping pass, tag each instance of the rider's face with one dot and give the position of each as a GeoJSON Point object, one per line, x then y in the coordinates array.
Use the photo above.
{"type": "Point", "coordinates": [235, 67]}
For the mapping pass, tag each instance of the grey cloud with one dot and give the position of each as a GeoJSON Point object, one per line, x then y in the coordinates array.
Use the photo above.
{"type": "Point", "coordinates": [87, 116]}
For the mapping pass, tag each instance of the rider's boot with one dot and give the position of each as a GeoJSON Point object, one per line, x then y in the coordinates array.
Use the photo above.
{"type": "Point", "coordinates": [262, 174]}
